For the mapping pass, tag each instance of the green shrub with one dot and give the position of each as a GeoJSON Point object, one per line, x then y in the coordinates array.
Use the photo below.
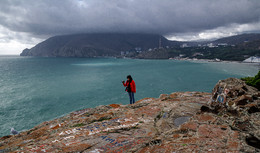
{"type": "Point", "coordinates": [253, 81]}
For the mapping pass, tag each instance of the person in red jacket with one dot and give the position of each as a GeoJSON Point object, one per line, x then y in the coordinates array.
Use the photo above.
{"type": "Point", "coordinates": [130, 88]}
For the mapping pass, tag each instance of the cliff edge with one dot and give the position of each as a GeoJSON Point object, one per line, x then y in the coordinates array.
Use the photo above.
{"type": "Point", "coordinates": [228, 120]}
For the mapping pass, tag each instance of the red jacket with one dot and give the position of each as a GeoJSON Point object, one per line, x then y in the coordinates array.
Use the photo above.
{"type": "Point", "coordinates": [132, 86]}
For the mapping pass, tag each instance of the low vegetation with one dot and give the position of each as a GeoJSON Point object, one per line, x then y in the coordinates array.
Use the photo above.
{"type": "Point", "coordinates": [253, 81]}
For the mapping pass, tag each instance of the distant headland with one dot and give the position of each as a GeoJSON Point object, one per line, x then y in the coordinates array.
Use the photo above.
{"type": "Point", "coordinates": [147, 46]}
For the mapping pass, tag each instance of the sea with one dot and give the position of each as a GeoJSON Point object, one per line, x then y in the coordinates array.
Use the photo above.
{"type": "Point", "coordinates": [34, 89]}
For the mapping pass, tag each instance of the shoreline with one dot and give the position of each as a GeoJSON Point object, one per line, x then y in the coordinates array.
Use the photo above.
{"type": "Point", "coordinates": [180, 59]}
{"type": "Point", "coordinates": [213, 61]}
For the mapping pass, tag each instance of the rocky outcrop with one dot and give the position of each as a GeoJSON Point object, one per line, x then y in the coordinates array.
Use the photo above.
{"type": "Point", "coordinates": [178, 122]}
{"type": "Point", "coordinates": [237, 105]}
{"type": "Point", "coordinates": [235, 94]}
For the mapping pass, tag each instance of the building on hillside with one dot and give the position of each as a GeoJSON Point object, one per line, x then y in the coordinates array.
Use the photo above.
{"type": "Point", "coordinates": [182, 55]}
{"type": "Point", "coordinates": [217, 60]}
{"type": "Point", "coordinates": [211, 45]}
{"type": "Point", "coordinates": [184, 45]}
{"type": "Point", "coordinates": [252, 59]}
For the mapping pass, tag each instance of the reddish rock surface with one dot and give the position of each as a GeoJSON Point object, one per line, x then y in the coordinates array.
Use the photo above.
{"type": "Point", "coordinates": [171, 123]}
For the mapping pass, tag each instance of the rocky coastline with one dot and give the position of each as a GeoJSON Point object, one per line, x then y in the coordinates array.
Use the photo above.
{"type": "Point", "coordinates": [226, 120]}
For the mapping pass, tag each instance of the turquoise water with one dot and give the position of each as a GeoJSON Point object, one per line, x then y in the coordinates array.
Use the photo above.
{"type": "Point", "coordinates": [33, 90]}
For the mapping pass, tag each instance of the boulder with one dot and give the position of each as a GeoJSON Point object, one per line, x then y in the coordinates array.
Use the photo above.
{"type": "Point", "coordinates": [233, 92]}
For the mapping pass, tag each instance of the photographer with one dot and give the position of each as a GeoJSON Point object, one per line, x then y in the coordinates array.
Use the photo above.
{"type": "Point", "coordinates": [130, 88]}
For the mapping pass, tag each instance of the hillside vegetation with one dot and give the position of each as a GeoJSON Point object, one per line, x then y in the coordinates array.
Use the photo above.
{"type": "Point", "coordinates": [253, 81]}
{"type": "Point", "coordinates": [147, 46]}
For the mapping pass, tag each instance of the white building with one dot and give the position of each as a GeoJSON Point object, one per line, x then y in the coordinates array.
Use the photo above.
{"type": "Point", "coordinates": [252, 59]}
{"type": "Point", "coordinates": [211, 45]}
{"type": "Point", "coordinates": [184, 45]}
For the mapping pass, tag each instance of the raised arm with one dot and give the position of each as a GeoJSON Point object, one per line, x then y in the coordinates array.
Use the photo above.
{"type": "Point", "coordinates": [124, 83]}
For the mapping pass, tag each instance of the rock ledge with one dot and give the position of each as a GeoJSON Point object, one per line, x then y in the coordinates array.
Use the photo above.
{"type": "Point", "coordinates": [228, 120]}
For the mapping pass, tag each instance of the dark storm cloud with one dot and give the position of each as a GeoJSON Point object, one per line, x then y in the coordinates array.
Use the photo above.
{"type": "Point", "coordinates": [52, 17]}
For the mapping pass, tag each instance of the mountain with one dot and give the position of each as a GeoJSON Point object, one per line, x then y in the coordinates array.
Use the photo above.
{"type": "Point", "coordinates": [99, 44]}
{"type": "Point", "coordinates": [236, 48]}
{"type": "Point", "coordinates": [239, 39]}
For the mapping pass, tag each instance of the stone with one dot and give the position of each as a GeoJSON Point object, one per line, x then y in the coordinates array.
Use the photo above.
{"type": "Point", "coordinates": [233, 92]}
{"type": "Point", "coordinates": [76, 148]}
{"type": "Point", "coordinates": [180, 120]}
{"type": "Point", "coordinates": [164, 96]}
{"type": "Point", "coordinates": [228, 120]}
{"type": "Point", "coordinates": [189, 126]}
{"type": "Point", "coordinates": [205, 118]}
{"type": "Point", "coordinates": [115, 105]}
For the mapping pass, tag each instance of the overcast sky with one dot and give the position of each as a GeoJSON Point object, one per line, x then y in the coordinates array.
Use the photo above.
{"type": "Point", "coordinates": [24, 23]}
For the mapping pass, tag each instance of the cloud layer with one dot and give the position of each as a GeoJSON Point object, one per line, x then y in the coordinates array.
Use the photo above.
{"type": "Point", "coordinates": [178, 19]}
